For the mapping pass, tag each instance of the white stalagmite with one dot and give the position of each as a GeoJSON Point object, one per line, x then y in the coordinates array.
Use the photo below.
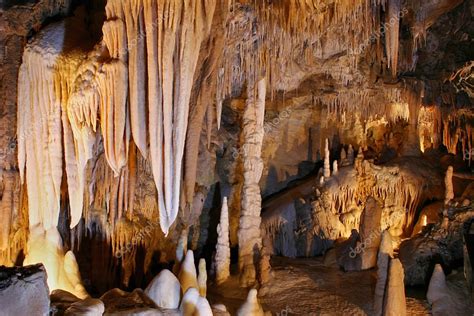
{"type": "Point", "coordinates": [448, 182]}
{"type": "Point", "coordinates": [335, 168]}
{"type": "Point", "coordinates": [327, 161]}
{"type": "Point", "coordinates": [187, 274]}
{"type": "Point", "coordinates": [250, 240]}
{"type": "Point", "coordinates": [202, 278]}
{"type": "Point", "coordinates": [189, 302]}
{"type": "Point", "coordinates": [164, 290]}
{"type": "Point", "coordinates": [251, 307]}
{"type": "Point", "coordinates": [222, 258]}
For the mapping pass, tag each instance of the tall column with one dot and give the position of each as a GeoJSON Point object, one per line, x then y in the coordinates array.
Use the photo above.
{"type": "Point", "coordinates": [250, 240]}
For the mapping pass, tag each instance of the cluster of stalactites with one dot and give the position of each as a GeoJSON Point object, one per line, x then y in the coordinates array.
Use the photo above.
{"type": "Point", "coordinates": [141, 91]}
{"type": "Point", "coordinates": [163, 40]}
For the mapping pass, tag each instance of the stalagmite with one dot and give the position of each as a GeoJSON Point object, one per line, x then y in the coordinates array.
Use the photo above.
{"type": "Point", "coordinates": [437, 288]}
{"type": "Point", "coordinates": [249, 236]}
{"type": "Point", "coordinates": [189, 302]}
{"type": "Point", "coordinates": [222, 259]}
{"type": "Point", "coordinates": [327, 161]}
{"type": "Point", "coordinates": [448, 182]}
{"type": "Point", "coordinates": [62, 269]}
{"type": "Point", "coordinates": [370, 234]}
{"type": "Point", "coordinates": [164, 290]}
{"type": "Point", "coordinates": [335, 168]}
{"type": "Point", "coordinates": [350, 155]}
{"type": "Point", "coordinates": [251, 307]}
{"type": "Point", "coordinates": [383, 260]}
{"type": "Point", "coordinates": [202, 278]}
{"type": "Point", "coordinates": [187, 275]}
{"type": "Point", "coordinates": [395, 304]}
{"type": "Point", "coordinates": [203, 308]}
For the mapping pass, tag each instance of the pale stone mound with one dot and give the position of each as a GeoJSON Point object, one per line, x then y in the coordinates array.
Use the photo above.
{"type": "Point", "coordinates": [446, 299]}
{"type": "Point", "coordinates": [164, 290]}
{"type": "Point", "coordinates": [24, 291]}
{"type": "Point", "coordinates": [187, 274]}
{"type": "Point", "coordinates": [63, 272]}
{"type": "Point", "coordinates": [251, 307]}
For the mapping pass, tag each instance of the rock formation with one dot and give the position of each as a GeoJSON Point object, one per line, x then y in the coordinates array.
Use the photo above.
{"type": "Point", "coordinates": [20, 285]}
{"type": "Point", "coordinates": [222, 259]}
{"type": "Point", "coordinates": [448, 183]}
{"type": "Point", "coordinates": [370, 233]}
{"type": "Point", "coordinates": [251, 305]}
{"type": "Point", "coordinates": [395, 303]}
{"type": "Point", "coordinates": [383, 262]}
{"type": "Point", "coordinates": [202, 278]}
{"type": "Point", "coordinates": [165, 290]}
{"type": "Point", "coordinates": [250, 240]}
{"type": "Point", "coordinates": [327, 161]}
{"type": "Point", "coordinates": [124, 123]}
{"type": "Point", "coordinates": [187, 274]}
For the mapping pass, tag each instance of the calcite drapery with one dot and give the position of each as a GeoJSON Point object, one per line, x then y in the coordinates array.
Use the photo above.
{"type": "Point", "coordinates": [250, 240]}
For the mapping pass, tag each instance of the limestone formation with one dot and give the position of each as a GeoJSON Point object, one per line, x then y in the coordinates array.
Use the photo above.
{"type": "Point", "coordinates": [370, 233]}
{"type": "Point", "coordinates": [125, 123]}
{"type": "Point", "coordinates": [63, 272]}
{"type": "Point", "coordinates": [327, 161]}
{"type": "Point", "coordinates": [448, 183]}
{"type": "Point", "coordinates": [350, 155]}
{"type": "Point", "coordinates": [250, 240]}
{"type": "Point", "coordinates": [383, 260]}
{"type": "Point", "coordinates": [395, 302]}
{"type": "Point", "coordinates": [222, 258]}
{"type": "Point", "coordinates": [24, 291]}
{"type": "Point", "coordinates": [187, 274]}
{"type": "Point", "coordinates": [189, 302]}
{"type": "Point", "coordinates": [202, 278]}
{"type": "Point", "coordinates": [251, 305]}
{"type": "Point", "coordinates": [164, 290]}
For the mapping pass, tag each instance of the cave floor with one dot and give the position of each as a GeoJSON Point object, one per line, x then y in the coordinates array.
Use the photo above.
{"type": "Point", "coordinates": [308, 287]}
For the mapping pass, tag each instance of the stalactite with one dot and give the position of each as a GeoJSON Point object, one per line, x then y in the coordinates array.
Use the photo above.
{"type": "Point", "coordinates": [250, 240]}
{"type": "Point", "coordinates": [39, 127]}
{"type": "Point", "coordinates": [392, 34]}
